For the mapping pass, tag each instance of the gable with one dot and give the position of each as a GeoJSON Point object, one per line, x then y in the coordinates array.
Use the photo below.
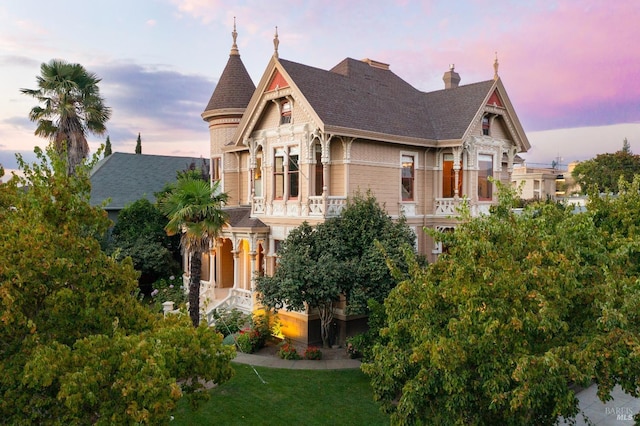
{"type": "Point", "coordinates": [494, 100]}
{"type": "Point", "coordinates": [277, 82]}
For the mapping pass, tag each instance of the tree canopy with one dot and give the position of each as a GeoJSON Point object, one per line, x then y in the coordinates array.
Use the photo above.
{"type": "Point", "coordinates": [71, 107]}
{"type": "Point", "coordinates": [604, 171]}
{"type": "Point", "coordinates": [76, 345]}
{"type": "Point", "coordinates": [343, 256]}
{"type": "Point", "coordinates": [139, 233]}
{"type": "Point", "coordinates": [519, 307]}
{"type": "Point", "coordinates": [107, 147]}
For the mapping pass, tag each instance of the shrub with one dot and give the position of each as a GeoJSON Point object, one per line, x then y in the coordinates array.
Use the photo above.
{"type": "Point", "coordinates": [260, 326]}
{"type": "Point", "coordinates": [312, 352]}
{"type": "Point", "coordinates": [243, 340]}
{"type": "Point", "coordinates": [229, 340]}
{"type": "Point", "coordinates": [355, 345]}
{"type": "Point", "coordinates": [288, 351]}
{"type": "Point", "coordinates": [361, 345]}
{"type": "Point", "coordinates": [168, 289]}
{"type": "Point", "coordinates": [229, 322]}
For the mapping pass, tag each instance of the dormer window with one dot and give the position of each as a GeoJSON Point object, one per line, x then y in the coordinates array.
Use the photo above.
{"type": "Point", "coordinates": [485, 125]}
{"type": "Point", "coordinates": [285, 112]}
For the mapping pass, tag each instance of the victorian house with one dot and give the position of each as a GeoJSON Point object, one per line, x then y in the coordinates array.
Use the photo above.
{"type": "Point", "coordinates": [294, 147]}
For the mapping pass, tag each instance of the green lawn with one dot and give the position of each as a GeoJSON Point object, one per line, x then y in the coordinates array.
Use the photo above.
{"type": "Point", "coordinates": [299, 397]}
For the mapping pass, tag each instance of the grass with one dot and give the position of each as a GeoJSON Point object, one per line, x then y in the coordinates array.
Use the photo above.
{"type": "Point", "coordinates": [305, 397]}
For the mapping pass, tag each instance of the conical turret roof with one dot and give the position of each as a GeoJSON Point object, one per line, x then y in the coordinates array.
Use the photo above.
{"type": "Point", "coordinates": [235, 87]}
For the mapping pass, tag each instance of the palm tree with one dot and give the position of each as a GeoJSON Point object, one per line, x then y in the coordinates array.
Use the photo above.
{"type": "Point", "coordinates": [194, 209]}
{"type": "Point", "coordinates": [71, 106]}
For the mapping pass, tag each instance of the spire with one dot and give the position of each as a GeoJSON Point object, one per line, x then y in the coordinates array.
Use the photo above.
{"type": "Point", "coordinates": [276, 42]}
{"type": "Point", "coordinates": [234, 34]}
{"type": "Point", "coordinates": [495, 67]}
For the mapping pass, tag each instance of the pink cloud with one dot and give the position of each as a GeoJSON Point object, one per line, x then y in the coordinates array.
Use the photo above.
{"type": "Point", "coordinates": [577, 58]}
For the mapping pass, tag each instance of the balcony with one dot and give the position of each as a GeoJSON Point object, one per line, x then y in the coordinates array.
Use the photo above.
{"type": "Point", "coordinates": [332, 208]}
{"type": "Point", "coordinates": [316, 206]}
{"type": "Point", "coordinates": [447, 206]}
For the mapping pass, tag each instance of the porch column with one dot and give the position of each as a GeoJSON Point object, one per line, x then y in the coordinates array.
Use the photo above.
{"type": "Point", "coordinates": [457, 156]}
{"type": "Point", "coordinates": [236, 277]}
{"type": "Point", "coordinates": [252, 269]}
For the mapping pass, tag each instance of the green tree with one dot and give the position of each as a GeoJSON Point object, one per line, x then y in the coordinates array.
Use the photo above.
{"type": "Point", "coordinates": [107, 147]}
{"type": "Point", "coordinates": [308, 275]}
{"type": "Point", "coordinates": [72, 107]}
{"type": "Point", "coordinates": [367, 237]}
{"type": "Point", "coordinates": [342, 256]}
{"type": "Point", "coordinates": [139, 145]}
{"type": "Point", "coordinates": [495, 331]}
{"type": "Point", "coordinates": [76, 345]}
{"type": "Point", "coordinates": [194, 209]}
{"type": "Point", "coordinates": [139, 233]}
{"type": "Point", "coordinates": [603, 171]}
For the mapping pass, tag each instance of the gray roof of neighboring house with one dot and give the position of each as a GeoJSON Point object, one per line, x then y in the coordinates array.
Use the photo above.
{"type": "Point", "coordinates": [356, 95]}
{"type": "Point", "coordinates": [234, 88]}
{"type": "Point", "coordinates": [125, 178]}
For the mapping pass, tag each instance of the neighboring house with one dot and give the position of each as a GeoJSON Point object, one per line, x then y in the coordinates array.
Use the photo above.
{"type": "Point", "coordinates": [537, 183]}
{"type": "Point", "coordinates": [296, 146]}
{"type": "Point", "coordinates": [122, 178]}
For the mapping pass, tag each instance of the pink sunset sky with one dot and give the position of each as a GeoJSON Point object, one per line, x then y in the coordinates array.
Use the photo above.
{"type": "Point", "coordinates": [571, 68]}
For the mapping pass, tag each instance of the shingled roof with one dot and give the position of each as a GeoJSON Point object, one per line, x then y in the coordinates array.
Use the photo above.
{"type": "Point", "coordinates": [356, 95]}
{"type": "Point", "coordinates": [240, 217]}
{"type": "Point", "coordinates": [235, 87]}
{"type": "Point", "coordinates": [451, 110]}
{"type": "Point", "coordinates": [126, 178]}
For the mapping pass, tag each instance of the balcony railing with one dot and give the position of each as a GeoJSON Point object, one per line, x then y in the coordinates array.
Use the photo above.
{"type": "Point", "coordinates": [447, 206]}
{"type": "Point", "coordinates": [333, 206]}
{"type": "Point", "coordinates": [317, 206]}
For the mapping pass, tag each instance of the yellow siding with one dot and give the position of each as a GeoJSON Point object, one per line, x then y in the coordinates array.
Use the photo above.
{"type": "Point", "coordinates": [336, 180]}
{"type": "Point", "coordinates": [383, 181]}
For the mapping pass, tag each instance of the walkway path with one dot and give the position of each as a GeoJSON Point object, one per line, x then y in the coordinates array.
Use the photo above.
{"type": "Point", "coordinates": [303, 364]}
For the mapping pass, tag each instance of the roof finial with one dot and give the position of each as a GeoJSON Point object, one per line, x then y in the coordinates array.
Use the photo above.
{"type": "Point", "coordinates": [276, 42]}
{"type": "Point", "coordinates": [234, 34]}
{"type": "Point", "coordinates": [495, 67]}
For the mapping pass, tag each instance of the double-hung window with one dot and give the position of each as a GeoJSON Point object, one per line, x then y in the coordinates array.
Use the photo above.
{"type": "Point", "coordinates": [485, 171]}
{"type": "Point", "coordinates": [286, 171]}
{"type": "Point", "coordinates": [278, 174]}
{"type": "Point", "coordinates": [408, 177]}
{"type": "Point", "coordinates": [293, 173]}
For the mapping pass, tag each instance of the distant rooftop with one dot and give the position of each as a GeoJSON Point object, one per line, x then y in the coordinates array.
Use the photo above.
{"type": "Point", "coordinates": [125, 178]}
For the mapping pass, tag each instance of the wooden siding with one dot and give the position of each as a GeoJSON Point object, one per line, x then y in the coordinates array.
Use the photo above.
{"type": "Point", "coordinates": [498, 129]}
{"type": "Point", "coordinates": [336, 179]}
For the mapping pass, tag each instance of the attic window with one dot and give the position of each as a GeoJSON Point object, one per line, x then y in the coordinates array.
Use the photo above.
{"type": "Point", "coordinates": [485, 125]}
{"type": "Point", "coordinates": [285, 112]}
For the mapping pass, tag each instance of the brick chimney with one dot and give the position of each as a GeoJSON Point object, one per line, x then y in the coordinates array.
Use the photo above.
{"type": "Point", "coordinates": [451, 78]}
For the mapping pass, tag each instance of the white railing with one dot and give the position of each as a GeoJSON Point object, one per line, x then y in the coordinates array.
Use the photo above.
{"type": "Point", "coordinates": [258, 205]}
{"type": "Point", "coordinates": [447, 206]}
{"type": "Point", "coordinates": [316, 205]}
{"type": "Point", "coordinates": [335, 205]}
{"type": "Point", "coordinates": [241, 300]}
